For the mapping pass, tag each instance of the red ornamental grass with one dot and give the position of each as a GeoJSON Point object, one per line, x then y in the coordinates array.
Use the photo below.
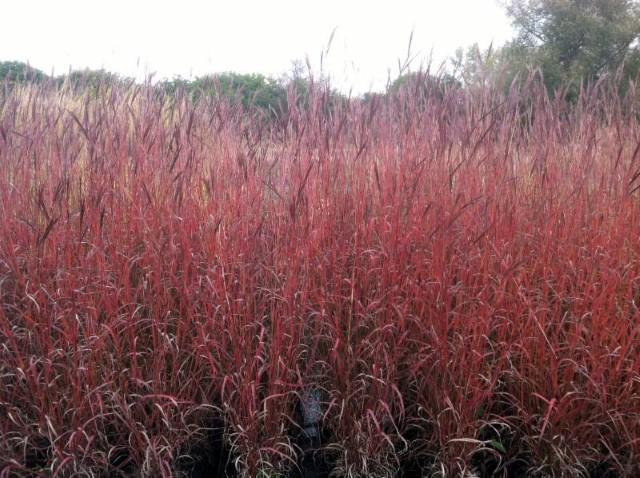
{"type": "Point", "coordinates": [454, 273]}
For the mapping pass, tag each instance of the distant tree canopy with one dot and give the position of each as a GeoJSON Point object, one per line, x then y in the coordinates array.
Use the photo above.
{"type": "Point", "coordinates": [567, 40]}
{"type": "Point", "coordinates": [92, 78]}
{"type": "Point", "coordinates": [250, 89]}
{"type": "Point", "coordinates": [423, 81]}
{"type": "Point", "coordinates": [19, 72]}
{"type": "Point", "coordinates": [255, 91]}
{"type": "Point", "coordinates": [577, 39]}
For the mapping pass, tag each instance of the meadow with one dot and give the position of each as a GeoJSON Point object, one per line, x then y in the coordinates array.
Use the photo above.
{"type": "Point", "coordinates": [452, 274]}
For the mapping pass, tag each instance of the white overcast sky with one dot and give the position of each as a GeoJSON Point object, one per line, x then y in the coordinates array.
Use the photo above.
{"type": "Point", "coordinates": [190, 38]}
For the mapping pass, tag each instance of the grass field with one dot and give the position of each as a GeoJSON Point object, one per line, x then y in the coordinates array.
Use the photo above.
{"type": "Point", "coordinates": [455, 274]}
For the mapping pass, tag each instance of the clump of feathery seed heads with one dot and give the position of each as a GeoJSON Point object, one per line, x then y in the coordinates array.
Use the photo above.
{"type": "Point", "coordinates": [455, 272]}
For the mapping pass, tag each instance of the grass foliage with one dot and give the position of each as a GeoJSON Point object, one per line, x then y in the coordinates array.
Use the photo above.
{"type": "Point", "coordinates": [456, 271]}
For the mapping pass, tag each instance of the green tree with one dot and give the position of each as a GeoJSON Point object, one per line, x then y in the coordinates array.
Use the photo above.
{"type": "Point", "coordinates": [172, 86]}
{"type": "Point", "coordinates": [19, 72]}
{"type": "Point", "coordinates": [254, 91]}
{"type": "Point", "coordinates": [573, 40]}
{"type": "Point", "coordinates": [475, 66]}
{"type": "Point", "coordinates": [424, 82]}
{"type": "Point", "coordinates": [251, 90]}
{"type": "Point", "coordinates": [93, 79]}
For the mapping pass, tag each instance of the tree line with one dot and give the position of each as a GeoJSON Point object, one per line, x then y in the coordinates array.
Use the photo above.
{"type": "Point", "coordinates": [567, 42]}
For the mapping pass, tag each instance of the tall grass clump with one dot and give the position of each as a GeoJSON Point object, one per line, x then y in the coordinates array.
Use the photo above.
{"type": "Point", "coordinates": [455, 273]}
